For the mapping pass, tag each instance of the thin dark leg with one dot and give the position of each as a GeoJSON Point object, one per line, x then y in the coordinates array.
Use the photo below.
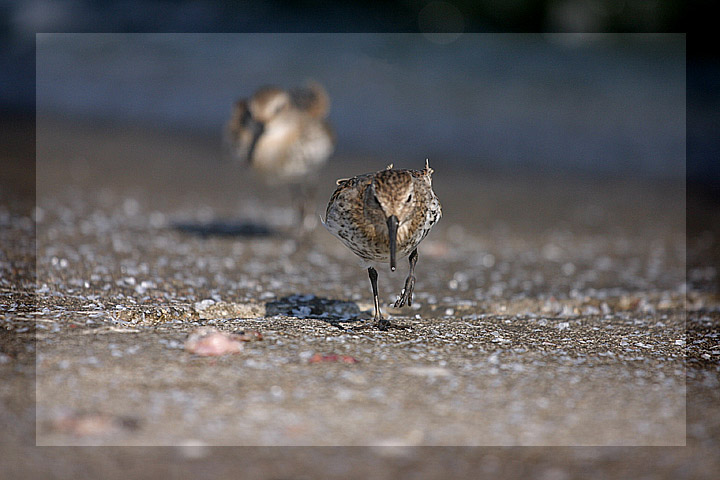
{"type": "Point", "coordinates": [382, 323]}
{"type": "Point", "coordinates": [407, 293]}
{"type": "Point", "coordinates": [299, 199]}
{"type": "Point", "coordinates": [304, 198]}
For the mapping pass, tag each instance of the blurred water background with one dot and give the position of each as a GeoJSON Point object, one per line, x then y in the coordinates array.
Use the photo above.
{"type": "Point", "coordinates": [603, 103]}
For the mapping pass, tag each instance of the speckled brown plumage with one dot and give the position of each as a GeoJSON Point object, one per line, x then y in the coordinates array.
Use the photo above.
{"type": "Point", "coordinates": [282, 134]}
{"type": "Point", "coordinates": [365, 210]}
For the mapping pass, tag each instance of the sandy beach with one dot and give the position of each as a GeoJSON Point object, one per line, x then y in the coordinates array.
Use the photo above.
{"type": "Point", "coordinates": [553, 316]}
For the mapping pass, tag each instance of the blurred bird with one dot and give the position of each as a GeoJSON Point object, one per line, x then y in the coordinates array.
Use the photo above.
{"type": "Point", "coordinates": [383, 216]}
{"type": "Point", "coordinates": [283, 135]}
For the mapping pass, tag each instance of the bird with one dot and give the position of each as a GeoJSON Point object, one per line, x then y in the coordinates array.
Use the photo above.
{"type": "Point", "coordinates": [284, 136]}
{"type": "Point", "coordinates": [382, 217]}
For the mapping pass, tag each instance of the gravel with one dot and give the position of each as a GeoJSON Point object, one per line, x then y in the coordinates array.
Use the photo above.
{"type": "Point", "coordinates": [549, 312]}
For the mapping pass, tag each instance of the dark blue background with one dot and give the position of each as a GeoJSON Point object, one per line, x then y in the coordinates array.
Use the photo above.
{"type": "Point", "coordinates": [517, 80]}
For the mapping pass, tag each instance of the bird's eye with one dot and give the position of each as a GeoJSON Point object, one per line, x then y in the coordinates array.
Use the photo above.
{"type": "Point", "coordinates": [245, 118]}
{"type": "Point", "coordinates": [409, 198]}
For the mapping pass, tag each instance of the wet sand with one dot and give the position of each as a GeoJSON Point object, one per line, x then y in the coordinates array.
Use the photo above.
{"type": "Point", "coordinates": [551, 311]}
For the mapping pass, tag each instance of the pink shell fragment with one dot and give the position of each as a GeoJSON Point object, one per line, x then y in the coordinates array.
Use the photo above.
{"type": "Point", "coordinates": [208, 342]}
{"type": "Point", "coordinates": [318, 358]}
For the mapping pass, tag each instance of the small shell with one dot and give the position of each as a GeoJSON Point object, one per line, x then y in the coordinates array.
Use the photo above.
{"type": "Point", "coordinates": [208, 342]}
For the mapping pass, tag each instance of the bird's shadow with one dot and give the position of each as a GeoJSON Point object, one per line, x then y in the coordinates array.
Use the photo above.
{"type": "Point", "coordinates": [227, 228]}
{"type": "Point", "coordinates": [338, 313]}
{"type": "Point", "coordinates": [334, 312]}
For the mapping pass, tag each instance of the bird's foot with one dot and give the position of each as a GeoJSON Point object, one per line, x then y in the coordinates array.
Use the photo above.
{"type": "Point", "coordinates": [407, 293]}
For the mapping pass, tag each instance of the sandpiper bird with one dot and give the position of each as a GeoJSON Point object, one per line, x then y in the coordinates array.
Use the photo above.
{"type": "Point", "coordinates": [283, 135]}
{"type": "Point", "coordinates": [383, 216]}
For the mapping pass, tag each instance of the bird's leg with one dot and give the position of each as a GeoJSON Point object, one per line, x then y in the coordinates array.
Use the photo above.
{"type": "Point", "coordinates": [299, 201]}
{"type": "Point", "coordinates": [304, 197]}
{"type": "Point", "coordinates": [309, 219]}
{"type": "Point", "coordinates": [407, 292]}
{"type": "Point", "coordinates": [382, 323]}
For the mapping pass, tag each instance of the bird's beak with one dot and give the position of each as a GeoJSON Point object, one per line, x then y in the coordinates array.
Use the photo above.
{"type": "Point", "coordinates": [392, 223]}
{"type": "Point", "coordinates": [256, 129]}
